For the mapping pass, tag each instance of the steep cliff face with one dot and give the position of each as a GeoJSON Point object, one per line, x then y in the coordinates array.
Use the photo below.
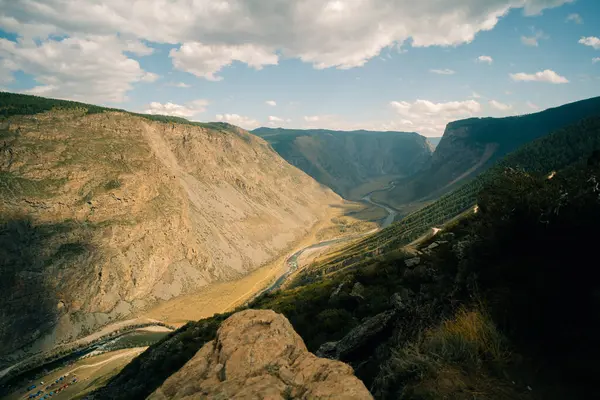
{"type": "Point", "coordinates": [346, 160]}
{"type": "Point", "coordinates": [470, 146]}
{"type": "Point", "coordinates": [106, 213]}
{"type": "Point", "coordinates": [258, 355]}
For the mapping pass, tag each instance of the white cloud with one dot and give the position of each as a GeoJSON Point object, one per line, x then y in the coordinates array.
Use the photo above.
{"type": "Point", "coordinates": [278, 121]}
{"type": "Point", "coordinates": [430, 118]}
{"type": "Point", "coordinates": [342, 34]}
{"type": "Point", "coordinates": [239, 120]}
{"type": "Point", "coordinates": [182, 85]}
{"type": "Point", "coordinates": [442, 71]}
{"type": "Point", "coordinates": [430, 108]}
{"type": "Point", "coordinates": [574, 18]}
{"type": "Point", "coordinates": [500, 106]}
{"type": "Point", "coordinates": [313, 118]}
{"type": "Point", "coordinates": [92, 69]}
{"type": "Point", "coordinates": [486, 59]}
{"type": "Point", "coordinates": [591, 41]}
{"type": "Point", "coordinates": [188, 110]}
{"type": "Point", "coordinates": [532, 105]}
{"type": "Point", "coordinates": [149, 77]}
{"type": "Point", "coordinates": [542, 76]}
{"type": "Point", "coordinates": [533, 40]}
{"type": "Point", "coordinates": [206, 60]}
{"type": "Point", "coordinates": [138, 48]}
{"type": "Point", "coordinates": [475, 95]}
{"type": "Point", "coordinates": [271, 103]}
{"type": "Point", "coordinates": [595, 60]}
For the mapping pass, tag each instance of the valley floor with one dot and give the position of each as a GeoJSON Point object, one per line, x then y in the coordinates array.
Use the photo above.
{"type": "Point", "coordinates": [91, 373]}
{"type": "Point", "coordinates": [350, 220]}
{"type": "Point", "coordinates": [225, 296]}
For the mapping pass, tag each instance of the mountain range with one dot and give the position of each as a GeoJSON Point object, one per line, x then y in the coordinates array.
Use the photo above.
{"type": "Point", "coordinates": [106, 213]}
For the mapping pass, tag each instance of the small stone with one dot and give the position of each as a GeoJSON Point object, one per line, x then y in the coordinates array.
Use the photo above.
{"type": "Point", "coordinates": [411, 262]}
{"type": "Point", "coordinates": [337, 290]}
{"type": "Point", "coordinates": [448, 236]}
{"type": "Point", "coordinates": [397, 301]}
{"type": "Point", "coordinates": [433, 246]}
{"type": "Point", "coordinates": [358, 290]}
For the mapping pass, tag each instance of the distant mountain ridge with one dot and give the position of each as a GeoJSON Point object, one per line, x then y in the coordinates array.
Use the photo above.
{"type": "Point", "coordinates": [350, 162]}
{"type": "Point", "coordinates": [470, 146]}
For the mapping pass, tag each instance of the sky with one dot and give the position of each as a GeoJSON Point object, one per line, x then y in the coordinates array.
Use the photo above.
{"type": "Point", "coordinates": [345, 64]}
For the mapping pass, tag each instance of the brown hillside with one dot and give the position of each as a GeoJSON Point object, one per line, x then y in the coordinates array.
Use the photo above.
{"type": "Point", "coordinates": [107, 213]}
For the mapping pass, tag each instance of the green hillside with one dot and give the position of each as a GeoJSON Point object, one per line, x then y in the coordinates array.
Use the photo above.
{"type": "Point", "coordinates": [352, 163]}
{"type": "Point", "coordinates": [23, 104]}
{"type": "Point", "coordinates": [562, 148]}
{"type": "Point", "coordinates": [470, 146]}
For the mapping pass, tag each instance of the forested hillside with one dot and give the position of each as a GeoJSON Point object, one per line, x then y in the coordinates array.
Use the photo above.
{"type": "Point", "coordinates": [470, 146]}
{"type": "Point", "coordinates": [352, 163]}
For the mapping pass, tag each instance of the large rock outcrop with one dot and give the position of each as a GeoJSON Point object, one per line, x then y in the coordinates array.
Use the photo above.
{"type": "Point", "coordinates": [104, 214]}
{"type": "Point", "coordinates": [258, 355]}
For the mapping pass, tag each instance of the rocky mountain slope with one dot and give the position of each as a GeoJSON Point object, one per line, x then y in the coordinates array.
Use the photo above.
{"type": "Point", "coordinates": [106, 213]}
{"type": "Point", "coordinates": [470, 146]}
{"type": "Point", "coordinates": [257, 355]}
{"type": "Point", "coordinates": [468, 311]}
{"type": "Point", "coordinates": [345, 161]}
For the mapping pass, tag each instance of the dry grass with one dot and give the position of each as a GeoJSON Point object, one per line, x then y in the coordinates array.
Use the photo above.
{"type": "Point", "coordinates": [469, 339]}
{"type": "Point", "coordinates": [459, 359]}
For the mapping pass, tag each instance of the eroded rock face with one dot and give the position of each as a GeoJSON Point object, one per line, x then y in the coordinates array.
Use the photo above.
{"type": "Point", "coordinates": [105, 214]}
{"type": "Point", "coordinates": [258, 355]}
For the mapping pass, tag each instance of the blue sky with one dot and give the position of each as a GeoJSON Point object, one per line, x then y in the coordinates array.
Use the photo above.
{"type": "Point", "coordinates": [336, 64]}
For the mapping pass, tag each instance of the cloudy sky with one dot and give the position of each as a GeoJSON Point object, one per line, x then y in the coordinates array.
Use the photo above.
{"type": "Point", "coordinates": [346, 64]}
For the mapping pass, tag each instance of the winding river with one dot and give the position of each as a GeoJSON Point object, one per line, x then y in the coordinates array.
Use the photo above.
{"type": "Point", "coordinates": [292, 261]}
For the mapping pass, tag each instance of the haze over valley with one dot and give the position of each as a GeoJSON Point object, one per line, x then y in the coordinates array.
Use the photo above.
{"type": "Point", "coordinates": [299, 199]}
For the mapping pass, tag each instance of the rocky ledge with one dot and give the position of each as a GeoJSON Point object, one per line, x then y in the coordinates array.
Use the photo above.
{"type": "Point", "coordinates": [258, 355]}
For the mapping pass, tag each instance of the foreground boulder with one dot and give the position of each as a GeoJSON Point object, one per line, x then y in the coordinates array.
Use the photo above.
{"type": "Point", "coordinates": [258, 355]}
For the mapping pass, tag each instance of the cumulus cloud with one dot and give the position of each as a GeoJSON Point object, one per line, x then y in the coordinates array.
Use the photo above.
{"type": "Point", "coordinates": [313, 118]}
{"type": "Point", "coordinates": [239, 120]}
{"type": "Point", "coordinates": [182, 85]}
{"type": "Point", "coordinates": [500, 106]}
{"type": "Point", "coordinates": [533, 40]}
{"type": "Point", "coordinates": [278, 121]}
{"type": "Point", "coordinates": [591, 41]}
{"type": "Point", "coordinates": [445, 71]}
{"type": "Point", "coordinates": [532, 105]}
{"type": "Point", "coordinates": [485, 59]}
{"type": "Point", "coordinates": [149, 77]}
{"type": "Point", "coordinates": [475, 95]}
{"type": "Point", "coordinates": [188, 110]}
{"type": "Point", "coordinates": [430, 118]}
{"type": "Point", "coordinates": [574, 18]}
{"type": "Point", "coordinates": [341, 33]}
{"type": "Point", "coordinates": [206, 60]}
{"type": "Point", "coordinates": [595, 60]}
{"type": "Point", "coordinates": [271, 103]}
{"type": "Point", "coordinates": [547, 75]}
{"type": "Point", "coordinates": [91, 69]}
